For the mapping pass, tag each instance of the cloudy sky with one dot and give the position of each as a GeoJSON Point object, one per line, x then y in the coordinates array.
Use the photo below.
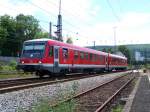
{"type": "Point", "coordinates": [87, 21]}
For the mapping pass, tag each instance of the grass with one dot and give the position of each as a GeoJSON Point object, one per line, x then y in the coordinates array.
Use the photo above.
{"type": "Point", "coordinates": [7, 76]}
{"type": "Point", "coordinates": [64, 107]}
{"type": "Point", "coordinates": [118, 108]}
{"type": "Point", "coordinates": [8, 70]}
{"type": "Point", "coordinates": [44, 106]}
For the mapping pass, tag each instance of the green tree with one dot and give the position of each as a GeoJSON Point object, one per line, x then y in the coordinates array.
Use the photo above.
{"type": "Point", "coordinates": [124, 50]}
{"type": "Point", "coordinates": [69, 40]}
{"type": "Point", "coordinates": [3, 35]}
{"type": "Point", "coordinates": [104, 49]}
{"type": "Point", "coordinates": [8, 36]}
{"type": "Point", "coordinates": [14, 31]}
{"type": "Point", "coordinates": [110, 50]}
{"type": "Point", "coordinates": [43, 34]}
{"type": "Point", "coordinates": [27, 27]}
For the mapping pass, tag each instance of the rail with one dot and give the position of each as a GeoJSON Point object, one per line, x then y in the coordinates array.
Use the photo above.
{"type": "Point", "coordinates": [113, 96]}
{"type": "Point", "coordinates": [83, 93]}
{"type": "Point", "coordinates": [18, 84]}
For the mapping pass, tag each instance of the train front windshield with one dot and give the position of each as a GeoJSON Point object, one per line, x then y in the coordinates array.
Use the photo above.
{"type": "Point", "coordinates": [33, 50]}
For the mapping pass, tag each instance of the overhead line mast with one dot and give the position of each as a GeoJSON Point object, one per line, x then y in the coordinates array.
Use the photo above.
{"type": "Point", "coordinates": [59, 24]}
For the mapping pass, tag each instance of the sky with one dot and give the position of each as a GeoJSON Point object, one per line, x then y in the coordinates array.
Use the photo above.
{"type": "Point", "coordinates": [107, 22]}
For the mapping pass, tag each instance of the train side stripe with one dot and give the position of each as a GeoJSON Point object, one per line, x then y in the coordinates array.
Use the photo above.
{"type": "Point", "coordinates": [73, 65]}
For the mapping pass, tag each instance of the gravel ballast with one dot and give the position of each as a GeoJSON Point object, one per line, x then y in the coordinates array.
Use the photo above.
{"type": "Point", "coordinates": [11, 102]}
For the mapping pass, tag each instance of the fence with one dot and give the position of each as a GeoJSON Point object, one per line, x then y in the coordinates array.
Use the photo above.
{"type": "Point", "coordinates": [8, 59]}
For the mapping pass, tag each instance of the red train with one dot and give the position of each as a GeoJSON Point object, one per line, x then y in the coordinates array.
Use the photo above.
{"type": "Point", "coordinates": [46, 56]}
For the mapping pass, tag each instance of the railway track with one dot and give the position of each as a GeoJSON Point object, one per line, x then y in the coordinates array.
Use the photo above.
{"type": "Point", "coordinates": [18, 84]}
{"type": "Point", "coordinates": [96, 99]}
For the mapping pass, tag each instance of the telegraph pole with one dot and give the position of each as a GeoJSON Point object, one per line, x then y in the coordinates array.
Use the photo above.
{"type": "Point", "coordinates": [115, 44]}
{"type": "Point", "coordinates": [94, 44]}
{"type": "Point", "coordinates": [59, 24]}
{"type": "Point", "coordinates": [50, 30]}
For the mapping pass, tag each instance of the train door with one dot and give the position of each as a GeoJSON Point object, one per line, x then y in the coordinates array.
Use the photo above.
{"type": "Point", "coordinates": [106, 62]}
{"type": "Point", "coordinates": [56, 68]}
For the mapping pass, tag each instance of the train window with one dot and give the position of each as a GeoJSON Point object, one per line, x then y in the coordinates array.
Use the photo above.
{"type": "Point", "coordinates": [51, 51]}
{"type": "Point", "coordinates": [65, 53]}
{"type": "Point", "coordinates": [81, 55]}
{"type": "Point", "coordinates": [56, 53]}
{"type": "Point", "coordinates": [94, 57]}
{"type": "Point", "coordinates": [124, 61]}
{"type": "Point", "coordinates": [90, 56]}
{"type": "Point", "coordinates": [86, 56]}
{"type": "Point", "coordinates": [75, 54]}
{"type": "Point", "coordinates": [113, 60]}
{"type": "Point", "coordinates": [116, 61]}
{"type": "Point", "coordinates": [98, 58]}
{"type": "Point", "coordinates": [101, 58]}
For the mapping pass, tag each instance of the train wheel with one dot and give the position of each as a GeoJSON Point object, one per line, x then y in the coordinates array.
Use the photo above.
{"type": "Point", "coordinates": [50, 75]}
{"type": "Point", "coordinates": [38, 73]}
{"type": "Point", "coordinates": [63, 73]}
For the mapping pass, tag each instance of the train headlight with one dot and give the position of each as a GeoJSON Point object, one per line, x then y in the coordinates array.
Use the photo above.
{"type": "Point", "coordinates": [40, 62]}
{"type": "Point", "coordinates": [22, 62]}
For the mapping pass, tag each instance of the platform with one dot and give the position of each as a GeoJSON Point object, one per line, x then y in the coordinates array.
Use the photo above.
{"type": "Point", "coordinates": [139, 100]}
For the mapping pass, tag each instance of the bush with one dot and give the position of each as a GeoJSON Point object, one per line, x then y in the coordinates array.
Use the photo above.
{"type": "Point", "coordinates": [0, 67]}
{"type": "Point", "coordinates": [13, 64]}
{"type": "Point", "coordinates": [1, 64]}
{"type": "Point", "coordinates": [7, 68]}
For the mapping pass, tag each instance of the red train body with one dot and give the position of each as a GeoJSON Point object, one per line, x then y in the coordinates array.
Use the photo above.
{"type": "Point", "coordinates": [46, 56]}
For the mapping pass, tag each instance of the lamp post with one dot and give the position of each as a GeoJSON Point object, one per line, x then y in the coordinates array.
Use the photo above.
{"type": "Point", "coordinates": [115, 42]}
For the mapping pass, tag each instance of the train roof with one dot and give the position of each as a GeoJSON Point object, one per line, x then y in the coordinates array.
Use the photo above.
{"type": "Point", "coordinates": [54, 42]}
{"type": "Point", "coordinates": [117, 56]}
{"type": "Point", "coordinates": [42, 39]}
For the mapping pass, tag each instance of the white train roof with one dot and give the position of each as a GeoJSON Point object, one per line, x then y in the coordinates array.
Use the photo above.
{"type": "Point", "coordinates": [42, 39]}
{"type": "Point", "coordinates": [104, 53]}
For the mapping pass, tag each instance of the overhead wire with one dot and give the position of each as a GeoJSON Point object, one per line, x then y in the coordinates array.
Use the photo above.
{"type": "Point", "coordinates": [40, 20]}
{"type": "Point", "coordinates": [55, 16]}
{"type": "Point", "coordinates": [48, 12]}
{"type": "Point", "coordinates": [113, 11]}
{"type": "Point", "coordinates": [73, 14]}
{"type": "Point", "coordinates": [120, 6]}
